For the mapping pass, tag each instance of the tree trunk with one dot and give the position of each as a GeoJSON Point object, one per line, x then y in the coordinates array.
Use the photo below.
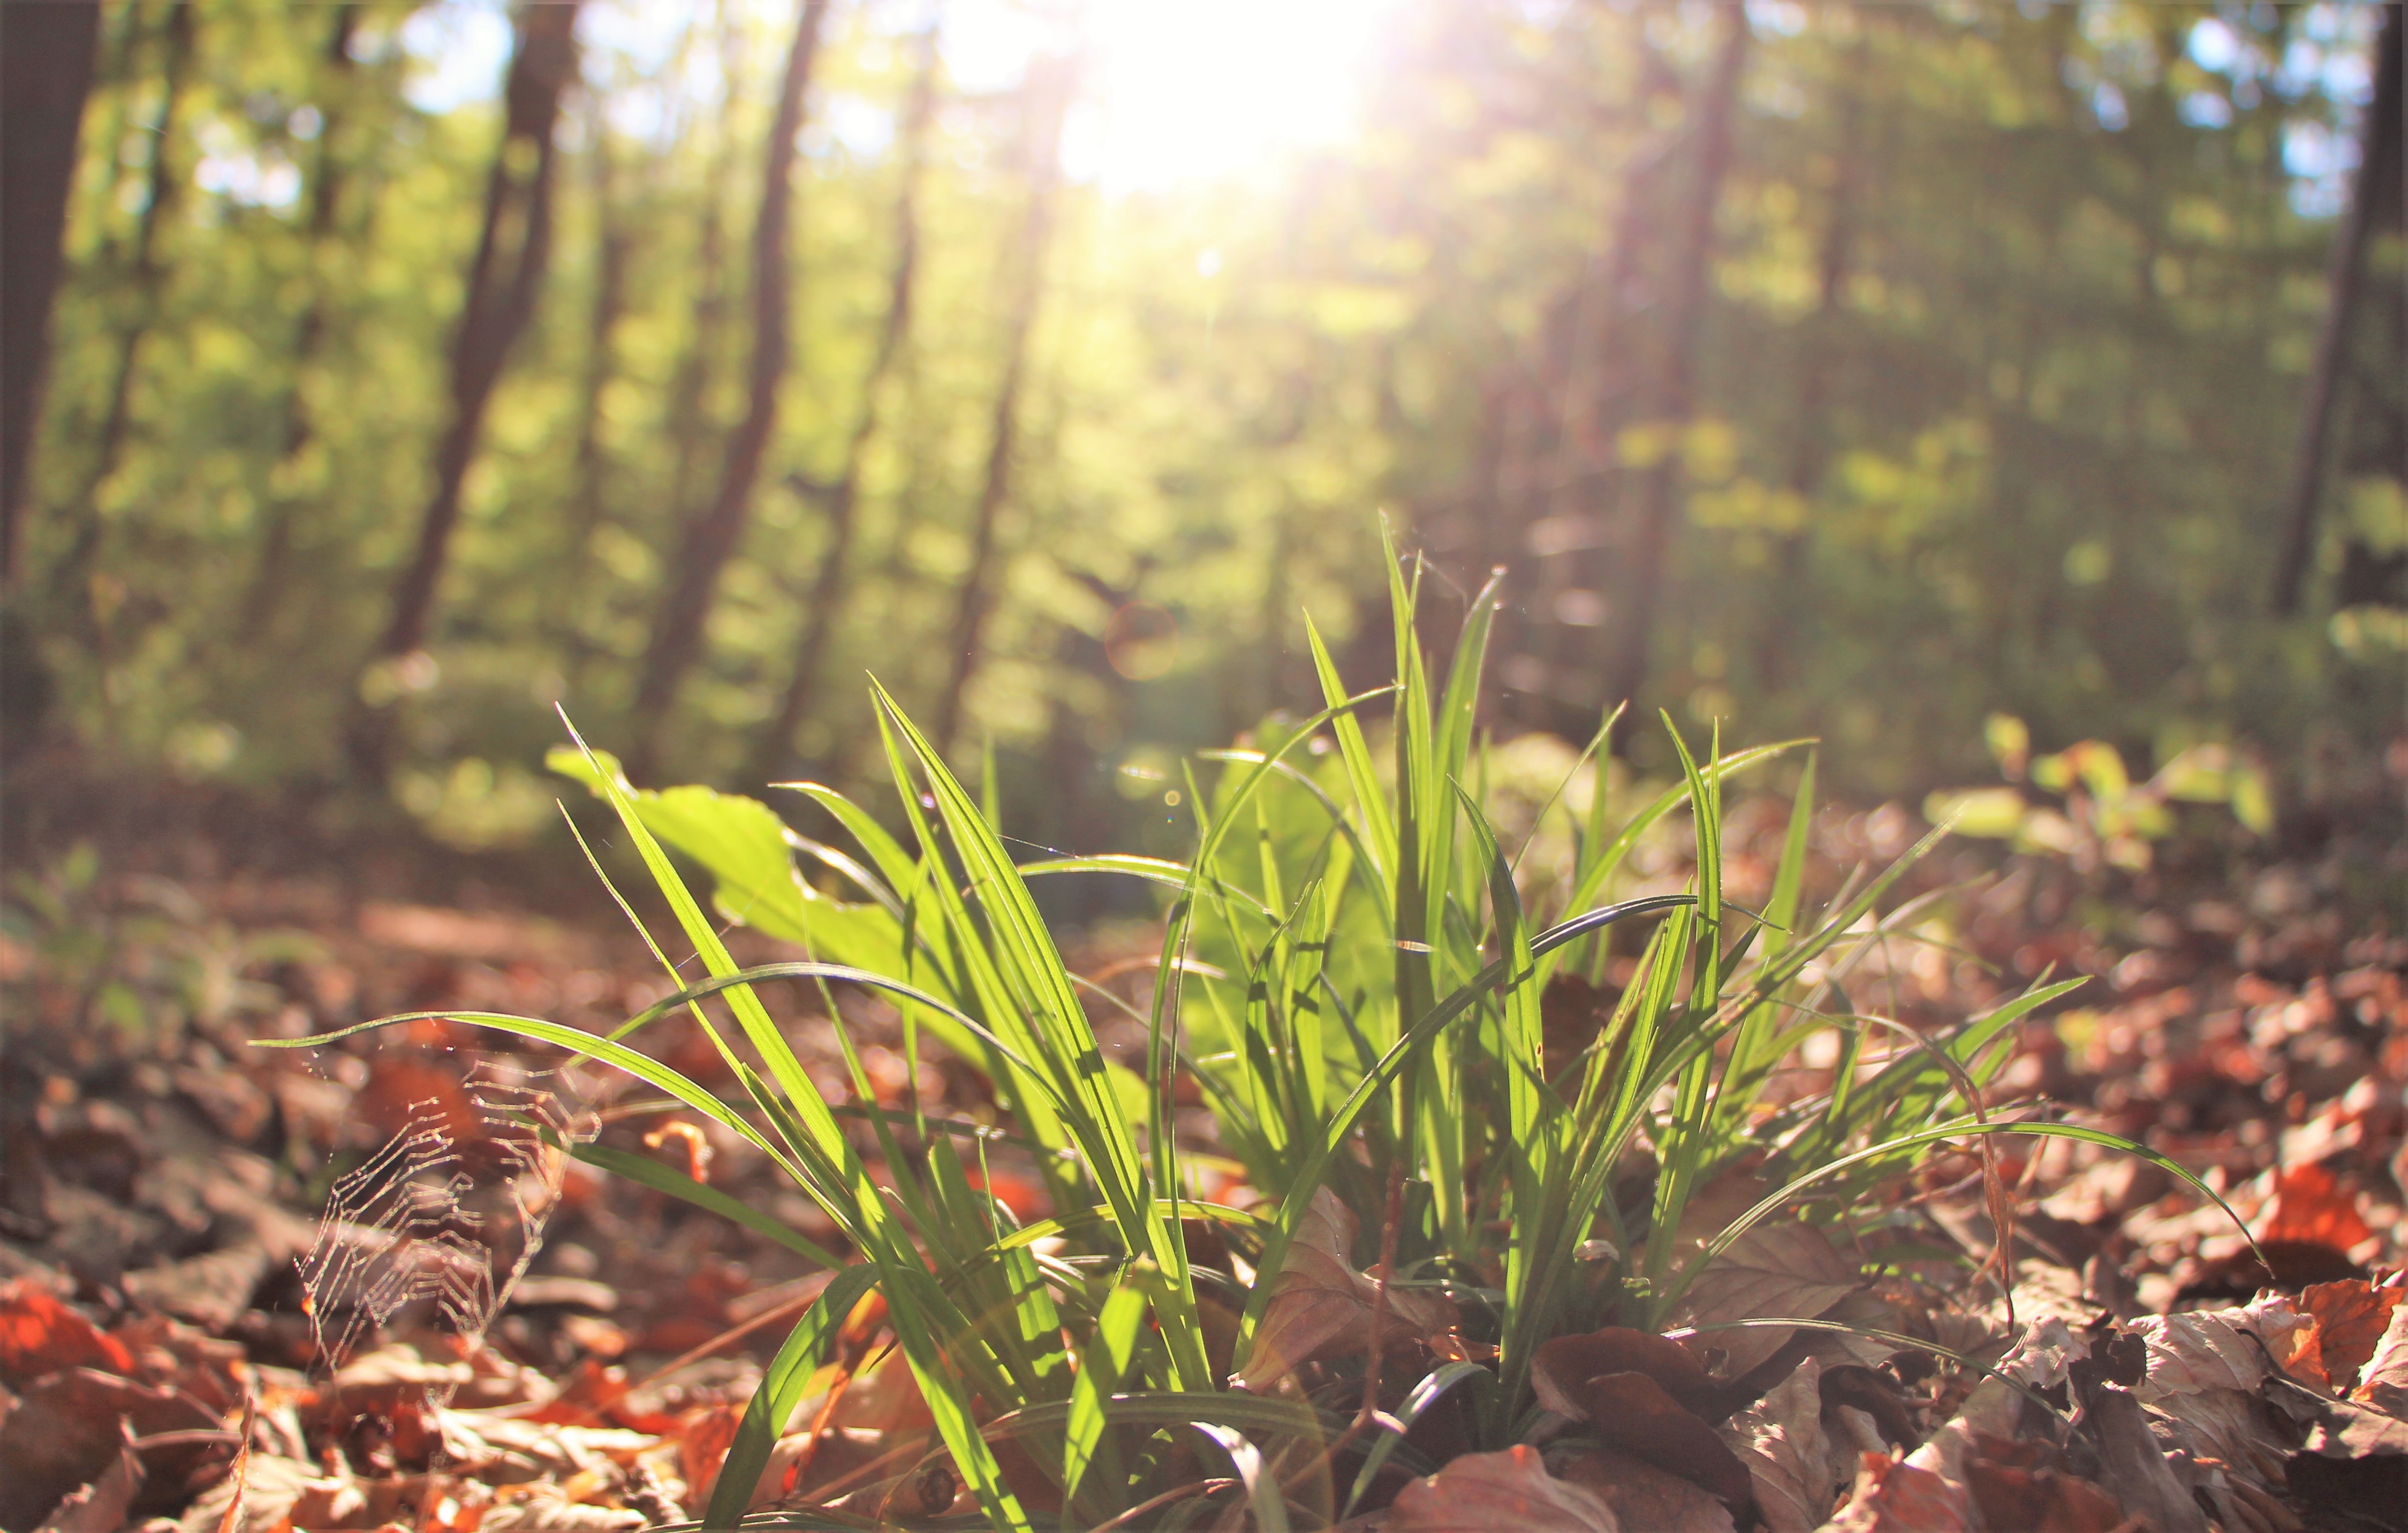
{"type": "Point", "coordinates": [2378, 161]}
{"type": "Point", "coordinates": [827, 591]}
{"type": "Point", "coordinates": [146, 274]}
{"type": "Point", "coordinates": [1777, 654]}
{"type": "Point", "coordinates": [268, 583]}
{"type": "Point", "coordinates": [614, 240]}
{"type": "Point", "coordinates": [1047, 96]}
{"type": "Point", "coordinates": [1674, 396]}
{"type": "Point", "coordinates": [710, 539]}
{"type": "Point", "coordinates": [504, 278]}
{"type": "Point", "coordinates": [46, 59]}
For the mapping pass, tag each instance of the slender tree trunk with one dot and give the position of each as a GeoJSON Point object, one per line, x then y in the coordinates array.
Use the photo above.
{"type": "Point", "coordinates": [504, 278]}
{"type": "Point", "coordinates": [46, 60]}
{"type": "Point", "coordinates": [269, 580]}
{"type": "Point", "coordinates": [1676, 388]}
{"type": "Point", "coordinates": [613, 241]}
{"type": "Point", "coordinates": [146, 273]}
{"type": "Point", "coordinates": [827, 592]}
{"type": "Point", "coordinates": [1777, 656]}
{"type": "Point", "coordinates": [1048, 92]}
{"type": "Point", "coordinates": [710, 539]}
{"type": "Point", "coordinates": [2378, 163]}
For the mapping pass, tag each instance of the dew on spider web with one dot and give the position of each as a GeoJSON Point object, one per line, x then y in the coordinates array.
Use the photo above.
{"type": "Point", "coordinates": [428, 1236]}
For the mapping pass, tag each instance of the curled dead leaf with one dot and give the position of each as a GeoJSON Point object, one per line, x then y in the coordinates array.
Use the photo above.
{"type": "Point", "coordinates": [40, 1334]}
{"type": "Point", "coordinates": [1646, 1499]}
{"type": "Point", "coordinates": [1321, 1305]}
{"type": "Point", "coordinates": [1559, 1368]}
{"type": "Point", "coordinates": [2350, 1320]}
{"type": "Point", "coordinates": [100, 1507]}
{"type": "Point", "coordinates": [1780, 1268]}
{"type": "Point", "coordinates": [1509, 1492]}
{"type": "Point", "coordinates": [2383, 1381]}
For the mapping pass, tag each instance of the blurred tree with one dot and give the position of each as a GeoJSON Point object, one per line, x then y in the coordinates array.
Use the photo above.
{"type": "Point", "coordinates": [842, 499]}
{"type": "Point", "coordinates": [46, 63]}
{"type": "Point", "coordinates": [505, 277]}
{"type": "Point", "coordinates": [2378, 169]}
{"type": "Point", "coordinates": [710, 539]}
{"type": "Point", "coordinates": [1045, 99]}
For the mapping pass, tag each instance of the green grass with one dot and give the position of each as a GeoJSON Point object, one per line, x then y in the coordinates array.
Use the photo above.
{"type": "Point", "coordinates": [1352, 971]}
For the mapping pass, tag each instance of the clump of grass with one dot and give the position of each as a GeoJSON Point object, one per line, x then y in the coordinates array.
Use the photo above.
{"type": "Point", "coordinates": [1352, 973]}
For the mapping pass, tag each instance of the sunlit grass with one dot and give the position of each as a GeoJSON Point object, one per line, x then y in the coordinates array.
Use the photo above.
{"type": "Point", "coordinates": [1352, 973]}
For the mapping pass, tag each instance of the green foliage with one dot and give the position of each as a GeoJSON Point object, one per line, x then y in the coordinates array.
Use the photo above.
{"type": "Point", "coordinates": [1998, 365]}
{"type": "Point", "coordinates": [1352, 971]}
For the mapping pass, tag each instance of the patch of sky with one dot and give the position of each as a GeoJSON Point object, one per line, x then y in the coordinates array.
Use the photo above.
{"type": "Point", "coordinates": [457, 51]}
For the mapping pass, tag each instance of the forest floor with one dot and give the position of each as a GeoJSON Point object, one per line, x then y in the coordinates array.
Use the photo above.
{"type": "Point", "coordinates": [188, 1340]}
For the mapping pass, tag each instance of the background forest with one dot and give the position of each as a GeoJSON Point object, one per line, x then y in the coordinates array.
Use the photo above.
{"type": "Point", "coordinates": [1862, 370]}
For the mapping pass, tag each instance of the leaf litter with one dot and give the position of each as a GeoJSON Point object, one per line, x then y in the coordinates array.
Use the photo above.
{"type": "Point", "coordinates": [374, 1291]}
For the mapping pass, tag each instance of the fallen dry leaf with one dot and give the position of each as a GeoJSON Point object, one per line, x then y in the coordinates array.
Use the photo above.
{"type": "Point", "coordinates": [65, 1433]}
{"type": "Point", "coordinates": [1780, 1268]}
{"type": "Point", "coordinates": [1510, 1492]}
{"type": "Point", "coordinates": [1782, 1442]}
{"type": "Point", "coordinates": [1900, 1497]}
{"type": "Point", "coordinates": [100, 1507]}
{"type": "Point", "coordinates": [1646, 1499]}
{"type": "Point", "coordinates": [2024, 1485]}
{"type": "Point", "coordinates": [40, 1334]}
{"type": "Point", "coordinates": [2350, 1320]}
{"type": "Point", "coordinates": [2310, 1207]}
{"type": "Point", "coordinates": [2382, 1382]}
{"type": "Point", "coordinates": [1559, 1368]}
{"type": "Point", "coordinates": [1321, 1305]}
{"type": "Point", "coordinates": [1633, 1415]}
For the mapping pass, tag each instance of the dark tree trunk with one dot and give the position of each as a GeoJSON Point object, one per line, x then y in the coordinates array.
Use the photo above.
{"type": "Point", "coordinates": [46, 59]}
{"type": "Point", "coordinates": [1674, 395]}
{"type": "Point", "coordinates": [1048, 92]}
{"type": "Point", "coordinates": [827, 592]}
{"type": "Point", "coordinates": [710, 539]}
{"type": "Point", "coordinates": [2378, 163]}
{"type": "Point", "coordinates": [146, 273]}
{"type": "Point", "coordinates": [1777, 653]}
{"type": "Point", "coordinates": [504, 278]}
{"type": "Point", "coordinates": [268, 583]}
{"type": "Point", "coordinates": [613, 241]}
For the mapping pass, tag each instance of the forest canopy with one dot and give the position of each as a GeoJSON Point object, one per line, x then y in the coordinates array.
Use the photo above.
{"type": "Point", "coordinates": [1855, 370]}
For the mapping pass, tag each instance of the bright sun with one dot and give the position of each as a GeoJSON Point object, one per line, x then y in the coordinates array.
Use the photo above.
{"type": "Point", "coordinates": [1185, 90]}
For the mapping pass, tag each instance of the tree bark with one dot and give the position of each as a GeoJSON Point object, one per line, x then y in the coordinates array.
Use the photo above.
{"type": "Point", "coordinates": [504, 278]}
{"type": "Point", "coordinates": [1777, 654]}
{"type": "Point", "coordinates": [146, 274]}
{"type": "Point", "coordinates": [613, 241]}
{"type": "Point", "coordinates": [827, 592]}
{"type": "Point", "coordinates": [269, 580]}
{"type": "Point", "coordinates": [46, 63]}
{"type": "Point", "coordinates": [1047, 97]}
{"type": "Point", "coordinates": [1674, 396]}
{"type": "Point", "coordinates": [711, 537]}
{"type": "Point", "coordinates": [2378, 161]}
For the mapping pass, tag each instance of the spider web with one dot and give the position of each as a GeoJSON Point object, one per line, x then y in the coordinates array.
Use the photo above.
{"type": "Point", "coordinates": [437, 1228]}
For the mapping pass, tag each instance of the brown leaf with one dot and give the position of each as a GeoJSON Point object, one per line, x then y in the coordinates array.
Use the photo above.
{"type": "Point", "coordinates": [1634, 1415]}
{"type": "Point", "coordinates": [1321, 1306]}
{"type": "Point", "coordinates": [1780, 1268]}
{"type": "Point", "coordinates": [1559, 1368]}
{"type": "Point", "coordinates": [65, 1433]}
{"type": "Point", "coordinates": [2383, 1381]}
{"type": "Point", "coordinates": [2311, 1207]}
{"type": "Point", "coordinates": [1780, 1440]}
{"type": "Point", "coordinates": [1893, 1497]}
{"type": "Point", "coordinates": [2023, 1486]}
{"type": "Point", "coordinates": [2350, 1320]}
{"type": "Point", "coordinates": [101, 1506]}
{"type": "Point", "coordinates": [275, 1491]}
{"type": "Point", "coordinates": [1510, 1492]}
{"type": "Point", "coordinates": [1644, 1498]}
{"type": "Point", "coordinates": [2134, 1466]}
{"type": "Point", "coordinates": [40, 1335]}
